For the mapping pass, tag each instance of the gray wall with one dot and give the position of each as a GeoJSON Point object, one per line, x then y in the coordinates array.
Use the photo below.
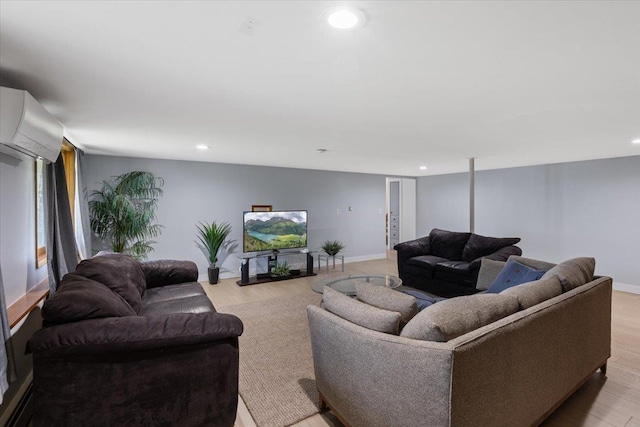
{"type": "Point", "coordinates": [198, 191]}
{"type": "Point", "coordinates": [17, 227]}
{"type": "Point", "coordinates": [561, 211]}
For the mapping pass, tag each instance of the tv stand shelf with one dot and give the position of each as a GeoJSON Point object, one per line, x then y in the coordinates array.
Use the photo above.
{"type": "Point", "coordinates": [272, 260]}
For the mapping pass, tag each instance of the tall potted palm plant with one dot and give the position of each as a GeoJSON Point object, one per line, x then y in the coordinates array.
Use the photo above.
{"type": "Point", "coordinates": [210, 238]}
{"type": "Point", "coordinates": [123, 212]}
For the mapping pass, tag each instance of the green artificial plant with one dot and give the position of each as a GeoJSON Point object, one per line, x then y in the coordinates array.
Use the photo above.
{"type": "Point", "coordinates": [123, 212]}
{"type": "Point", "coordinates": [210, 238]}
{"type": "Point", "coordinates": [332, 247]}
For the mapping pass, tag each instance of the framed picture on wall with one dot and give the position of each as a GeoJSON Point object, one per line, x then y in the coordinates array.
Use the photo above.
{"type": "Point", "coordinates": [261, 208]}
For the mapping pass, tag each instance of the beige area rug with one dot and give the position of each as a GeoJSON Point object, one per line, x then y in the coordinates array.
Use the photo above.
{"type": "Point", "coordinates": [277, 382]}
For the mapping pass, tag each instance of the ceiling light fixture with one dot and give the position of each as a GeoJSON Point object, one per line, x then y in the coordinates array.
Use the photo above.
{"type": "Point", "coordinates": [345, 18]}
{"type": "Point", "coordinates": [202, 147]}
{"type": "Point", "coordinates": [423, 168]}
{"type": "Point", "coordinates": [636, 141]}
{"type": "Point", "coordinates": [321, 150]}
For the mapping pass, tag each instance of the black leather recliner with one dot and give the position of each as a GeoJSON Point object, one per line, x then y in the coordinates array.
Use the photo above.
{"type": "Point", "coordinates": [134, 344]}
{"type": "Point", "coordinates": [446, 263]}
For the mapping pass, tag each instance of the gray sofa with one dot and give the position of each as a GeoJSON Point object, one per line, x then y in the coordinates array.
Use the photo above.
{"type": "Point", "coordinates": [513, 371]}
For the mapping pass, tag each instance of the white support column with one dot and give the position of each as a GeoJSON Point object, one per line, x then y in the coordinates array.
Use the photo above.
{"type": "Point", "coordinates": [472, 195]}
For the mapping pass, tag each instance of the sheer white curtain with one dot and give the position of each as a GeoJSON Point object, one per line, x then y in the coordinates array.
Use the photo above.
{"type": "Point", "coordinates": [82, 225]}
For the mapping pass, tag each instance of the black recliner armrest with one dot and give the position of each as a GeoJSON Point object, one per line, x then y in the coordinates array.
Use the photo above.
{"type": "Point", "coordinates": [410, 249]}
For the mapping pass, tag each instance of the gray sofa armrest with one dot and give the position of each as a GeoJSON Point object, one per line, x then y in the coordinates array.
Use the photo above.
{"type": "Point", "coordinates": [169, 272]}
{"type": "Point", "coordinates": [129, 334]}
{"type": "Point", "coordinates": [500, 255]}
{"type": "Point", "coordinates": [410, 249]}
{"type": "Point", "coordinates": [377, 380]}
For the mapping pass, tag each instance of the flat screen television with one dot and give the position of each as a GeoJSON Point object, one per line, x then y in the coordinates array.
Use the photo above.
{"type": "Point", "coordinates": [269, 231]}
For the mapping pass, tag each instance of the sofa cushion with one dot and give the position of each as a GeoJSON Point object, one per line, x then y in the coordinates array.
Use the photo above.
{"type": "Point", "coordinates": [478, 246]}
{"type": "Point", "coordinates": [387, 299]}
{"type": "Point", "coordinates": [451, 318]}
{"type": "Point", "coordinates": [447, 244]}
{"type": "Point", "coordinates": [423, 299]}
{"type": "Point", "coordinates": [79, 298]}
{"type": "Point", "coordinates": [514, 274]}
{"type": "Point", "coordinates": [533, 293]}
{"type": "Point", "coordinates": [193, 304]}
{"type": "Point", "coordinates": [120, 273]}
{"type": "Point", "coordinates": [362, 314]}
{"type": "Point", "coordinates": [454, 267]}
{"type": "Point", "coordinates": [428, 262]}
{"type": "Point", "coordinates": [533, 263]}
{"type": "Point", "coordinates": [573, 273]}
{"type": "Point", "coordinates": [488, 272]}
{"type": "Point", "coordinates": [170, 292]}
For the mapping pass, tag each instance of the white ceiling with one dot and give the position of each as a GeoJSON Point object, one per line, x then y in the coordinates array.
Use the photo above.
{"type": "Point", "coordinates": [422, 83]}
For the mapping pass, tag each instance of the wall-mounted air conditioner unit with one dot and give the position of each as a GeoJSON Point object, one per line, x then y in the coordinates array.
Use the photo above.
{"type": "Point", "coordinates": [25, 125]}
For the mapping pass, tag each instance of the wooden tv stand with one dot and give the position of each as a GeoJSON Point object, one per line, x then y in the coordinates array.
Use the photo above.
{"type": "Point", "coordinates": [272, 260]}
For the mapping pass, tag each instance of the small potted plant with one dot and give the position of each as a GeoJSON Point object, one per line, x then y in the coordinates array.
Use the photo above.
{"type": "Point", "coordinates": [332, 247]}
{"type": "Point", "coordinates": [210, 238]}
{"type": "Point", "coordinates": [281, 270]}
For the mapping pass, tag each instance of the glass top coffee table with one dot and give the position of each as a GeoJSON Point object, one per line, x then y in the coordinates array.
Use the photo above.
{"type": "Point", "coordinates": [346, 284]}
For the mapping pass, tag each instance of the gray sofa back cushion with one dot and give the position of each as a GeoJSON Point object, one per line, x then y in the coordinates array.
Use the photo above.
{"type": "Point", "coordinates": [533, 263]}
{"type": "Point", "coordinates": [573, 273]}
{"type": "Point", "coordinates": [489, 270]}
{"type": "Point", "coordinates": [533, 293]}
{"type": "Point", "coordinates": [360, 313]}
{"type": "Point", "coordinates": [387, 299]}
{"type": "Point", "coordinates": [449, 319]}
{"type": "Point", "coordinates": [478, 246]}
{"type": "Point", "coordinates": [79, 298]}
{"type": "Point", "coordinates": [447, 244]}
{"type": "Point", "coordinates": [120, 273]}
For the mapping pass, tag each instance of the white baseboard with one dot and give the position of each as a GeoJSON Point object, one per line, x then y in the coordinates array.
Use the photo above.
{"type": "Point", "coordinates": [347, 260]}
{"type": "Point", "coordinates": [623, 287]}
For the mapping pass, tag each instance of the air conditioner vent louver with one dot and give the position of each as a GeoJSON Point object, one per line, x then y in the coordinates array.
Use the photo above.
{"type": "Point", "coordinates": [26, 126]}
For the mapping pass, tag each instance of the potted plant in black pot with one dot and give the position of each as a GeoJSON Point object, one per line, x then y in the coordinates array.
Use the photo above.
{"type": "Point", "coordinates": [210, 238]}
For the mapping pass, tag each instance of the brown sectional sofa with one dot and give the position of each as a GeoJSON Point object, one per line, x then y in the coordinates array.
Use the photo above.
{"type": "Point", "coordinates": [510, 372]}
{"type": "Point", "coordinates": [133, 344]}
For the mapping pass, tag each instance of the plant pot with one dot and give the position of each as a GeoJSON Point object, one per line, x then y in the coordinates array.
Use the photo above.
{"type": "Point", "coordinates": [278, 277]}
{"type": "Point", "coordinates": [214, 272]}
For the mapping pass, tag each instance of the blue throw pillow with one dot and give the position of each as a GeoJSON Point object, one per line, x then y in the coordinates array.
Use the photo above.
{"type": "Point", "coordinates": [422, 300]}
{"type": "Point", "coordinates": [513, 274]}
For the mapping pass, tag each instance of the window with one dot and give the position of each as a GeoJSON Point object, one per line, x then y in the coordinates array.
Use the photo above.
{"type": "Point", "coordinates": [41, 239]}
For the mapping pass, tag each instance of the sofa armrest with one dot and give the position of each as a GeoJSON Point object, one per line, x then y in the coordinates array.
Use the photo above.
{"type": "Point", "coordinates": [410, 249]}
{"type": "Point", "coordinates": [169, 272]}
{"type": "Point", "coordinates": [357, 368]}
{"type": "Point", "coordinates": [131, 334]}
{"type": "Point", "coordinates": [501, 254]}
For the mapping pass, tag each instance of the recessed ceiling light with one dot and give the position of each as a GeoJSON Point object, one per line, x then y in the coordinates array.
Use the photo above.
{"type": "Point", "coordinates": [636, 141]}
{"type": "Point", "coordinates": [345, 18]}
{"type": "Point", "coordinates": [202, 147]}
{"type": "Point", "coordinates": [423, 168]}
{"type": "Point", "coordinates": [321, 150]}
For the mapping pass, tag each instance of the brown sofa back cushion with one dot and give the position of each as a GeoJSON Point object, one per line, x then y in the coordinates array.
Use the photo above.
{"type": "Point", "coordinates": [79, 298]}
{"type": "Point", "coordinates": [478, 246]}
{"type": "Point", "coordinates": [447, 244]}
{"type": "Point", "coordinates": [120, 273]}
{"type": "Point", "coordinates": [533, 293]}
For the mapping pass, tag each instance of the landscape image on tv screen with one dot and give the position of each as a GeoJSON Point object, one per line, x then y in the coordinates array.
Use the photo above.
{"type": "Point", "coordinates": [267, 231]}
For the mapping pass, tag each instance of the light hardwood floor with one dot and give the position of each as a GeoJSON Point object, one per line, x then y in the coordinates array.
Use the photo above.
{"type": "Point", "coordinates": [611, 400]}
